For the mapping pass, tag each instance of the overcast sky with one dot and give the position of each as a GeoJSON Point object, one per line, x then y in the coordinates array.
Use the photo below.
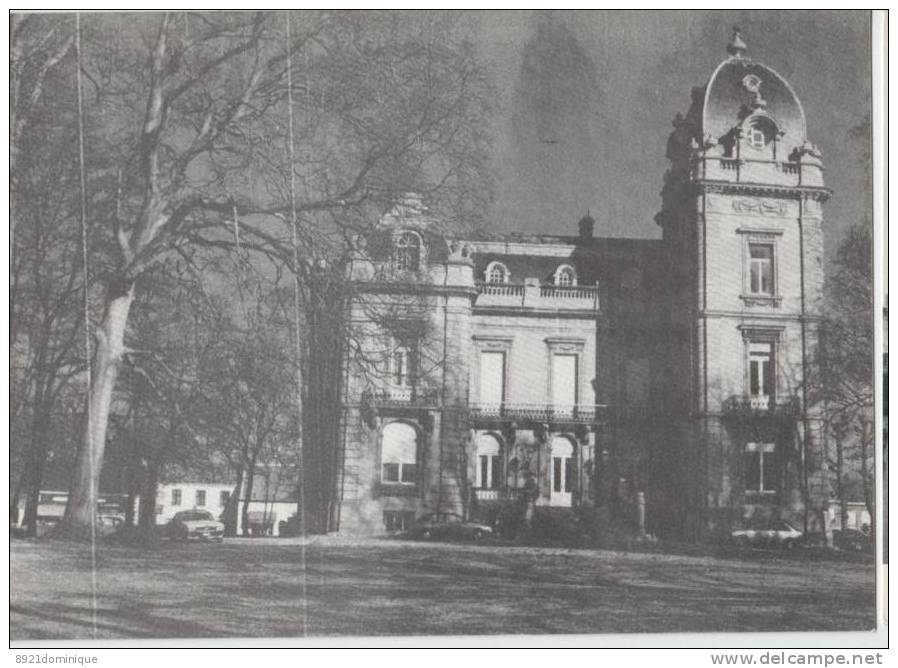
{"type": "Point", "coordinates": [586, 100]}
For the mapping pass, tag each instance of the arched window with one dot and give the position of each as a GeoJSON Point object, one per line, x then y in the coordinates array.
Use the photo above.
{"type": "Point", "coordinates": [760, 132]}
{"type": "Point", "coordinates": [488, 462]}
{"type": "Point", "coordinates": [496, 272]}
{"type": "Point", "coordinates": [562, 472]}
{"type": "Point", "coordinates": [565, 276]}
{"type": "Point", "coordinates": [399, 454]}
{"type": "Point", "coordinates": [408, 251]}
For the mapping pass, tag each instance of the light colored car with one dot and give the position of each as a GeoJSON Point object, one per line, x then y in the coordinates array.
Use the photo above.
{"type": "Point", "coordinates": [448, 526]}
{"type": "Point", "coordinates": [108, 523]}
{"type": "Point", "coordinates": [195, 525]}
{"type": "Point", "coordinates": [779, 534]}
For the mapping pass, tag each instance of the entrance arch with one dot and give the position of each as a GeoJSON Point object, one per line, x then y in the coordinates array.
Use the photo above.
{"type": "Point", "coordinates": [488, 463]}
{"type": "Point", "coordinates": [561, 471]}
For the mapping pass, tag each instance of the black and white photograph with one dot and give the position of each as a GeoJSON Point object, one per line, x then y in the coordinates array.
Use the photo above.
{"type": "Point", "coordinates": [415, 323]}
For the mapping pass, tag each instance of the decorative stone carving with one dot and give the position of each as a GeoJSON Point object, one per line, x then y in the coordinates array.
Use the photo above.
{"type": "Point", "coordinates": [760, 207]}
{"type": "Point", "coordinates": [752, 83]}
{"type": "Point", "coordinates": [458, 252]}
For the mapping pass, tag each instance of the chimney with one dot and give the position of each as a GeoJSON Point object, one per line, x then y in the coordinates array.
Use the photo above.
{"type": "Point", "coordinates": [587, 225]}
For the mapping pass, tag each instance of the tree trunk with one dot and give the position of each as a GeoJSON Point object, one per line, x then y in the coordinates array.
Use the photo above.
{"type": "Point", "coordinates": [866, 446]}
{"type": "Point", "coordinates": [233, 507]}
{"type": "Point", "coordinates": [250, 478]}
{"type": "Point", "coordinates": [129, 509]}
{"type": "Point", "coordinates": [133, 466]}
{"type": "Point", "coordinates": [840, 483]}
{"type": "Point", "coordinates": [37, 460]}
{"type": "Point", "coordinates": [110, 346]}
{"type": "Point", "coordinates": [147, 519]}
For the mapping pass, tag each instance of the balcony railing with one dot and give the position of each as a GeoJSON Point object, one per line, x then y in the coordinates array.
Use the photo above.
{"type": "Point", "coordinates": [567, 292]}
{"type": "Point", "coordinates": [584, 413]}
{"type": "Point", "coordinates": [401, 396]}
{"type": "Point", "coordinates": [740, 170]}
{"type": "Point", "coordinates": [501, 289]}
{"type": "Point", "coordinates": [511, 295]}
{"type": "Point", "coordinates": [483, 494]}
{"type": "Point", "coordinates": [762, 405]}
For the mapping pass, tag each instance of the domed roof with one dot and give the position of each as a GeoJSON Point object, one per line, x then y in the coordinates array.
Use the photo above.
{"type": "Point", "coordinates": [740, 87]}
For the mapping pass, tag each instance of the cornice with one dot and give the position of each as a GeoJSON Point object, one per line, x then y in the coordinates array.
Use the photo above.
{"type": "Point", "coordinates": [817, 193]}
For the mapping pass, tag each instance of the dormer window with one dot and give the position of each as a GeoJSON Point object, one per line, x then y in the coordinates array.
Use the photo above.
{"type": "Point", "coordinates": [759, 133]}
{"type": "Point", "coordinates": [407, 252]}
{"type": "Point", "coordinates": [756, 137]}
{"type": "Point", "coordinates": [565, 276]}
{"type": "Point", "coordinates": [496, 272]}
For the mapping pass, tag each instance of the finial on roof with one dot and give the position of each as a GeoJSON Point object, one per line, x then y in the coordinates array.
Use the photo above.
{"type": "Point", "coordinates": [737, 47]}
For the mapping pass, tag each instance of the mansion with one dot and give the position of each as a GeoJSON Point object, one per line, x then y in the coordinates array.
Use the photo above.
{"type": "Point", "coordinates": [589, 371]}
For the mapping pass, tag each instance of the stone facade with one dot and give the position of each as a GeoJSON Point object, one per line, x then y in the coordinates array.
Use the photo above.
{"type": "Point", "coordinates": [742, 220]}
{"type": "Point", "coordinates": [589, 371]}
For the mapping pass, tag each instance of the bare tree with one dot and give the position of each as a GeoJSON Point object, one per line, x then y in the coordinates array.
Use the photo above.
{"type": "Point", "coordinates": [249, 389]}
{"type": "Point", "coordinates": [37, 46]}
{"type": "Point", "coordinates": [45, 264]}
{"type": "Point", "coordinates": [846, 362]}
{"type": "Point", "coordinates": [190, 130]}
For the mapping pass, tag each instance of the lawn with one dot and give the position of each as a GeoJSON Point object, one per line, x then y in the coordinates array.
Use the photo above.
{"type": "Point", "coordinates": [377, 587]}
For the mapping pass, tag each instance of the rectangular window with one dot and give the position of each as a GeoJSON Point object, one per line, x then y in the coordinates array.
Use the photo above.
{"type": "Point", "coordinates": [408, 473]}
{"type": "Point", "coordinates": [760, 374]}
{"type": "Point", "coordinates": [400, 367]}
{"type": "Point", "coordinates": [568, 474]}
{"type": "Point", "coordinates": [489, 473]}
{"type": "Point", "coordinates": [492, 378]}
{"type": "Point", "coordinates": [223, 498]}
{"type": "Point", "coordinates": [496, 478]}
{"type": "Point", "coordinates": [398, 520]}
{"type": "Point", "coordinates": [176, 497]}
{"type": "Point", "coordinates": [760, 269]}
{"type": "Point", "coordinates": [200, 497]}
{"type": "Point", "coordinates": [761, 475]}
{"type": "Point", "coordinates": [564, 382]}
{"type": "Point", "coordinates": [390, 472]}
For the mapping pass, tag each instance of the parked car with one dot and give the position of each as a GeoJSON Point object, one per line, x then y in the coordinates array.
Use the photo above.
{"type": "Point", "coordinates": [109, 522]}
{"type": "Point", "coordinates": [779, 534]}
{"type": "Point", "coordinates": [195, 524]}
{"type": "Point", "coordinates": [448, 526]}
{"type": "Point", "coordinates": [853, 540]}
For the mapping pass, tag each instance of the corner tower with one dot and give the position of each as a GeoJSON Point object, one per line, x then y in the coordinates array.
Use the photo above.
{"type": "Point", "coordinates": [742, 222]}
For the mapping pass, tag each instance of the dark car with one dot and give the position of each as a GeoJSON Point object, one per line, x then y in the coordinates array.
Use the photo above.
{"type": "Point", "coordinates": [853, 540]}
{"type": "Point", "coordinates": [195, 525]}
{"type": "Point", "coordinates": [449, 526]}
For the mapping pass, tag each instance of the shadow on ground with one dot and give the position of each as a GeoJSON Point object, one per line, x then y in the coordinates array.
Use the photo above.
{"type": "Point", "coordinates": [269, 589]}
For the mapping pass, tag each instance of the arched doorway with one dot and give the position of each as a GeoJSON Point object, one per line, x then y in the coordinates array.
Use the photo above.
{"type": "Point", "coordinates": [489, 470]}
{"type": "Point", "coordinates": [561, 471]}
